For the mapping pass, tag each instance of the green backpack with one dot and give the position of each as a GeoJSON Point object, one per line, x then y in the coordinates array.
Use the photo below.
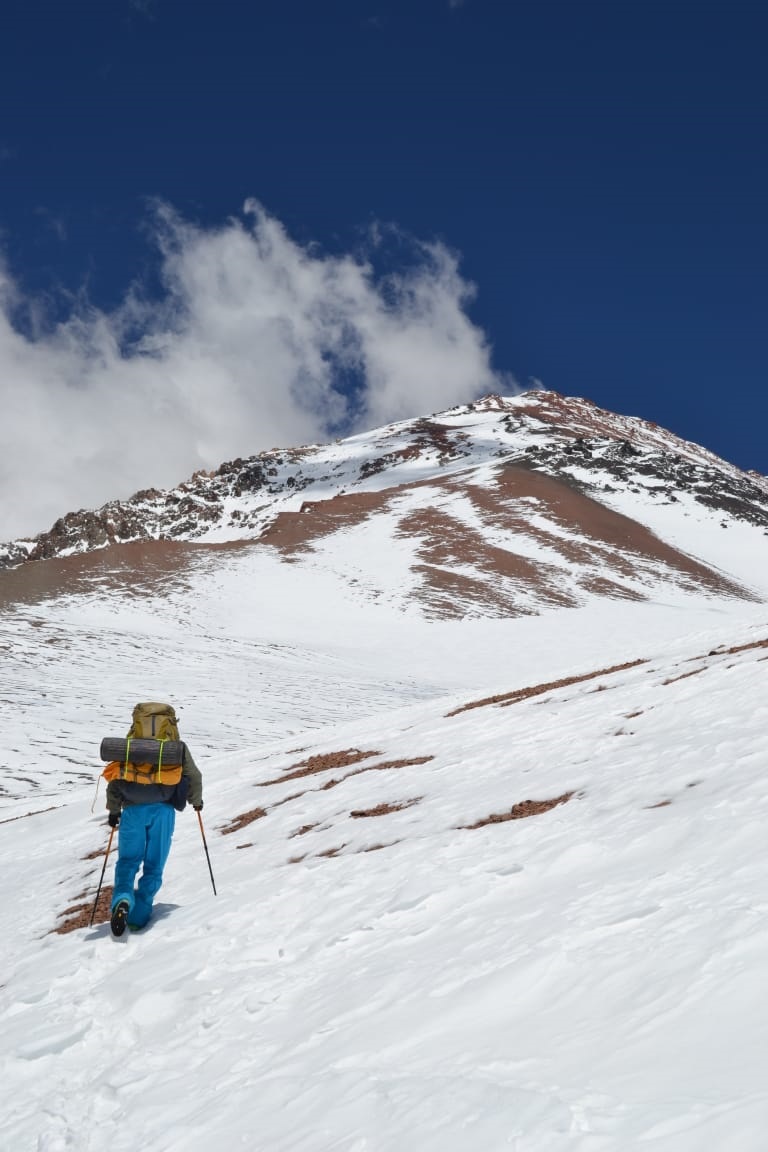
{"type": "Point", "coordinates": [154, 722]}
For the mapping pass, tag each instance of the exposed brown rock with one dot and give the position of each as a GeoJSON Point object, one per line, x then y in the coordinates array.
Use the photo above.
{"type": "Point", "coordinates": [383, 767]}
{"type": "Point", "coordinates": [683, 676]}
{"type": "Point", "coordinates": [79, 915]}
{"type": "Point", "coordinates": [388, 460]}
{"type": "Point", "coordinates": [521, 811]}
{"type": "Point", "coordinates": [94, 855]}
{"type": "Point", "coordinates": [747, 647]}
{"type": "Point", "coordinates": [243, 820]}
{"type": "Point", "coordinates": [293, 532]}
{"type": "Point", "coordinates": [514, 697]}
{"type": "Point", "coordinates": [384, 809]}
{"type": "Point", "coordinates": [610, 539]}
{"type": "Point", "coordinates": [304, 829]}
{"type": "Point", "coordinates": [446, 544]}
{"type": "Point", "coordinates": [321, 763]}
{"type": "Point", "coordinates": [140, 568]}
{"type": "Point", "coordinates": [584, 533]}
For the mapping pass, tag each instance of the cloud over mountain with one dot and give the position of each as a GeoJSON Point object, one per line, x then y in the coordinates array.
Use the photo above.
{"type": "Point", "coordinates": [254, 341]}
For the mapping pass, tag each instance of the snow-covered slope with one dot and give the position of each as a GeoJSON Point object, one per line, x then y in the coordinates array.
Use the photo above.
{"type": "Point", "coordinates": [561, 436]}
{"type": "Point", "coordinates": [531, 922]}
{"type": "Point", "coordinates": [482, 732]}
{"type": "Point", "coordinates": [505, 507]}
{"type": "Point", "coordinates": [292, 646]}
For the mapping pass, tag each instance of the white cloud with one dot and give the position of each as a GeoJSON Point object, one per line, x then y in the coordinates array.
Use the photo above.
{"type": "Point", "coordinates": [254, 344]}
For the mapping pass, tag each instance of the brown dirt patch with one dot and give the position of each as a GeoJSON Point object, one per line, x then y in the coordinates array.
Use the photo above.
{"type": "Point", "coordinates": [585, 532]}
{"type": "Point", "coordinates": [321, 763]}
{"type": "Point", "coordinates": [296, 532]}
{"type": "Point", "coordinates": [137, 568]}
{"type": "Point", "coordinates": [243, 820]}
{"type": "Point", "coordinates": [303, 830]}
{"type": "Point", "coordinates": [79, 915]}
{"type": "Point", "coordinates": [683, 676]}
{"type": "Point", "coordinates": [602, 586]}
{"type": "Point", "coordinates": [603, 549]}
{"type": "Point", "coordinates": [286, 799]}
{"type": "Point", "coordinates": [744, 647]}
{"type": "Point", "coordinates": [383, 767]}
{"type": "Point", "coordinates": [521, 811]}
{"type": "Point", "coordinates": [95, 854]}
{"type": "Point", "coordinates": [661, 804]}
{"type": "Point", "coordinates": [447, 595]}
{"type": "Point", "coordinates": [505, 698]}
{"type": "Point", "coordinates": [446, 543]}
{"type": "Point", "coordinates": [384, 809]}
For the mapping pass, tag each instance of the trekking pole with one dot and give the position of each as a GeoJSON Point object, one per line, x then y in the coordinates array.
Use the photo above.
{"type": "Point", "coordinates": [101, 881]}
{"type": "Point", "coordinates": [208, 858]}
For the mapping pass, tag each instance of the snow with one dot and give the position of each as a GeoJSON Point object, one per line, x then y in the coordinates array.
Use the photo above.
{"type": "Point", "coordinates": [589, 978]}
{"type": "Point", "coordinates": [724, 543]}
{"type": "Point", "coordinates": [391, 962]}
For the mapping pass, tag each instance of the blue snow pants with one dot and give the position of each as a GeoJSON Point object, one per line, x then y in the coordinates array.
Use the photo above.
{"type": "Point", "coordinates": [144, 838]}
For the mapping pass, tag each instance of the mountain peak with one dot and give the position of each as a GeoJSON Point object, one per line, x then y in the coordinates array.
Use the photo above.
{"type": "Point", "coordinates": [508, 504]}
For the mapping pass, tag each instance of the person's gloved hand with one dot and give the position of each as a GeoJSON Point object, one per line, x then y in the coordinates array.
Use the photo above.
{"type": "Point", "coordinates": [198, 807]}
{"type": "Point", "coordinates": [113, 819]}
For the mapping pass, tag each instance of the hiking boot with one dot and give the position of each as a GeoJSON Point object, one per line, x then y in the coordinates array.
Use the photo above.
{"type": "Point", "coordinates": [119, 918]}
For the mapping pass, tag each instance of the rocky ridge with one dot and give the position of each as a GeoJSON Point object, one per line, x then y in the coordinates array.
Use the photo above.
{"type": "Point", "coordinates": [570, 439]}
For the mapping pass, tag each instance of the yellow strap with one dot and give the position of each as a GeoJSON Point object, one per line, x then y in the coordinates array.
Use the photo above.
{"type": "Point", "coordinates": [160, 764]}
{"type": "Point", "coordinates": [127, 756]}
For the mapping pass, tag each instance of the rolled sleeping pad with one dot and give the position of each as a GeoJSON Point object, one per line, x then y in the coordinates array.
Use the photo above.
{"type": "Point", "coordinates": [143, 751]}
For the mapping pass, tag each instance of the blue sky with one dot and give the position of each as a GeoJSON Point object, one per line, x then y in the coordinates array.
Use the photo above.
{"type": "Point", "coordinates": [567, 192]}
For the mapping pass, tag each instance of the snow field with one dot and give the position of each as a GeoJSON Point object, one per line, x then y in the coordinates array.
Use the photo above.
{"type": "Point", "coordinates": [252, 649]}
{"type": "Point", "coordinates": [587, 979]}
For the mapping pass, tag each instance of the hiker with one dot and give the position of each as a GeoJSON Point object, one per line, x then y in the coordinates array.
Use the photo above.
{"type": "Point", "coordinates": [146, 815]}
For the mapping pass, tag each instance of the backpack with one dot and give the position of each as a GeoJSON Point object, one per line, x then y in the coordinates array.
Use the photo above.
{"type": "Point", "coordinates": [154, 722]}
{"type": "Point", "coordinates": [151, 721]}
